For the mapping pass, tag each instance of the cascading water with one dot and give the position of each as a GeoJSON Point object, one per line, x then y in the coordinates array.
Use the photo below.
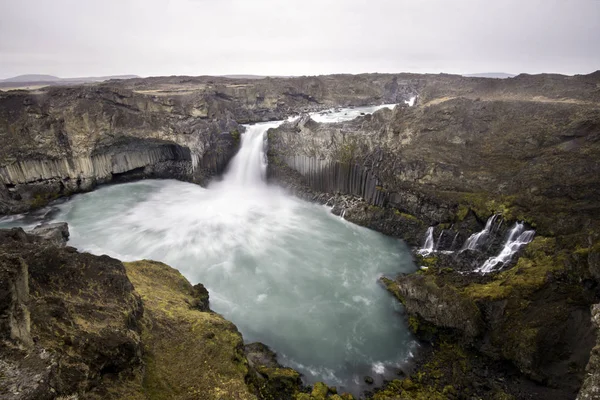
{"type": "Point", "coordinates": [517, 238]}
{"type": "Point", "coordinates": [288, 273]}
{"type": "Point", "coordinates": [249, 166]}
{"type": "Point", "coordinates": [429, 245]}
{"type": "Point", "coordinates": [476, 240]}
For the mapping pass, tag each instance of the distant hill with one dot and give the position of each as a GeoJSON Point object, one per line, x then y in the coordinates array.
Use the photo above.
{"type": "Point", "coordinates": [36, 81]}
{"type": "Point", "coordinates": [498, 75]}
{"type": "Point", "coordinates": [32, 78]}
{"type": "Point", "coordinates": [39, 78]}
{"type": "Point", "coordinates": [98, 78]}
{"type": "Point", "coordinates": [241, 76]}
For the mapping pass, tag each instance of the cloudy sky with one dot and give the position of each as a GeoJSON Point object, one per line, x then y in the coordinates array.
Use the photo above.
{"type": "Point", "coordinates": [71, 38]}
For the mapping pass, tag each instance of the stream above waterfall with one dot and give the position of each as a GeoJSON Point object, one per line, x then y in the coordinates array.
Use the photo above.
{"type": "Point", "coordinates": [287, 272]}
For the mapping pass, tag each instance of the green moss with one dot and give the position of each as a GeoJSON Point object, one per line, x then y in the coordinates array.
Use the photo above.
{"type": "Point", "coordinates": [182, 360]}
{"type": "Point", "coordinates": [531, 272]}
{"type": "Point", "coordinates": [427, 261]}
{"type": "Point", "coordinates": [462, 212]}
{"type": "Point", "coordinates": [409, 216]}
{"type": "Point", "coordinates": [40, 200]}
{"type": "Point", "coordinates": [485, 205]}
{"type": "Point", "coordinates": [413, 323]}
{"type": "Point", "coordinates": [346, 152]}
{"type": "Point", "coordinates": [236, 135]}
{"type": "Point", "coordinates": [392, 287]}
{"type": "Point", "coordinates": [319, 391]}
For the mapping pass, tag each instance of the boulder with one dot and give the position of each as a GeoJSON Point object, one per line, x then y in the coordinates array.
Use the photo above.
{"type": "Point", "coordinates": [57, 232]}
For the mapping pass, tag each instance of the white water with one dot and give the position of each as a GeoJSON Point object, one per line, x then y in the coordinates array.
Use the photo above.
{"type": "Point", "coordinates": [346, 114]}
{"type": "Point", "coordinates": [429, 245]}
{"type": "Point", "coordinates": [286, 272]}
{"type": "Point", "coordinates": [517, 238]}
{"type": "Point", "coordinates": [478, 239]}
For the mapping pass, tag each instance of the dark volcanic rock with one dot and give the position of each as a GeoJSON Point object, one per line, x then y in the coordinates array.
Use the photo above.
{"type": "Point", "coordinates": [84, 317]}
{"type": "Point", "coordinates": [56, 232]}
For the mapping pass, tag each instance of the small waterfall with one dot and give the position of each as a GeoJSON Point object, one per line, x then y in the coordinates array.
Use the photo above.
{"type": "Point", "coordinates": [411, 101]}
{"type": "Point", "coordinates": [195, 160]}
{"type": "Point", "coordinates": [429, 245]}
{"type": "Point", "coordinates": [517, 238]}
{"type": "Point", "coordinates": [343, 213]}
{"type": "Point", "coordinates": [477, 239]}
{"type": "Point", "coordinates": [454, 241]}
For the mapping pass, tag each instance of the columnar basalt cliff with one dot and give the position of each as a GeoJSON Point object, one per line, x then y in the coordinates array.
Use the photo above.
{"type": "Point", "coordinates": [461, 155]}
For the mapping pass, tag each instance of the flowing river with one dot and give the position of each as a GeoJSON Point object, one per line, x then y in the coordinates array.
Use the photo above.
{"type": "Point", "coordinates": [288, 273]}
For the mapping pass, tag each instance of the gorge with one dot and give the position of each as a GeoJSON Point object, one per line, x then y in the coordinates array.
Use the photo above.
{"type": "Point", "coordinates": [519, 153]}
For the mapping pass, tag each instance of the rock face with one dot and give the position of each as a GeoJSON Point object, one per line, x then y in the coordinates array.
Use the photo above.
{"type": "Point", "coordinates": [590, 390]}
{"type": "Point", "coordinates": [70, 321]}
{"type": "Point", "coordinates": [67, 140]}
{"type": "Point", "coordinates": [56, 232]}
{"type": "Point", "coordinates": [461, 155]}
{"type": "Point", "coordinates": [63, 140]}
{"type": "Point", "coordinates": [487, 155]}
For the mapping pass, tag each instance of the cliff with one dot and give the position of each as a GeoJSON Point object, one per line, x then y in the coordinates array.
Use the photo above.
{"type": "Point", "coordinates": [463, 154]}
{"type": "Point", "coordinates": [62, 140]}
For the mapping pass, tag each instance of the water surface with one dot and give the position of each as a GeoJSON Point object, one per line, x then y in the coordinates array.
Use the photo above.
{"type": "Point", "coordinates": [288, 273]}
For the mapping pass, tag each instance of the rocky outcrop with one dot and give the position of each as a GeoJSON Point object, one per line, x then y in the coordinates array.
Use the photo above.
{"type": "Point", "coordinates": [68, 140]}
{"type": "Point", "coordinates": [590, 390]}
{"type": "Point", "coordinates": [487, 156]}
{"type": "Point", "coordinates": [441, 306]}
{"type": "Point", "coordinates": [70, 321]}
{"type": "Point", "coordinates": [460, 156]}
{"type": "Point", "coordinates": [63, 140]}
{"type": "Point", "coordinates": [57, 232]}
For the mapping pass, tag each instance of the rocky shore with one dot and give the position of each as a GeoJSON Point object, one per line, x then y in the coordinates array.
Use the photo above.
{"type": "Point", "coordinates": [525, 150]}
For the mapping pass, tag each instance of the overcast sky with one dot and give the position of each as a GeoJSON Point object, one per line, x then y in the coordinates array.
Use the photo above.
{"type": "Point", "coordinates": [72, 38]}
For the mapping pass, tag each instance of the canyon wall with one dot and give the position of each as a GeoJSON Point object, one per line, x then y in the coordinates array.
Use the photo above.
{"type": "Point", "coordinates": [63, 140]}
{"type": "Point", "coordinates": [526, 149]}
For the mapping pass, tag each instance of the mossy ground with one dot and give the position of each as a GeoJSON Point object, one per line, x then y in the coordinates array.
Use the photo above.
{"type": "Point", "coordinates": [447, 373]}
{"type": "Point", "coordinates": [189, 354]}
{"type": "Point", "coordinates": [535, 315]}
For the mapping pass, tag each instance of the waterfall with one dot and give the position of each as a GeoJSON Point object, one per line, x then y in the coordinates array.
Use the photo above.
{"type": "Point", "coordinates": [477, 239]}
{"type": "Point", "coordinates": [517, 238]}
{"type": "Point", "coordinates": [429, 245]}
{"type": "Point", "coordinates": [454, 240]}
{"type": "Point", "coordinates": [249, 166]}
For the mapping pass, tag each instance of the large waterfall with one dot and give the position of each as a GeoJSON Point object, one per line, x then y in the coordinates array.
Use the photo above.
{"type": "Point", "coordinates": [288, 273]}
{"type": "Point", "coordinates": [249, 166]}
